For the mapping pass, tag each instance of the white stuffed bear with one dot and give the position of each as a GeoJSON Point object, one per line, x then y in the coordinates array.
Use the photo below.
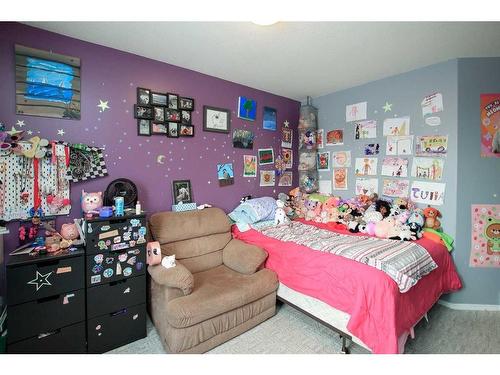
{"type": "Point", "coordinates": [280, 215]}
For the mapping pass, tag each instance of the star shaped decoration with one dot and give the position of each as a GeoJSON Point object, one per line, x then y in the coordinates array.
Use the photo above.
{"type": "Point", "coordinates": [103, 105]}
{"type": "Point", "coordinates": [387, 107]}
{"type": "Point", "coordinates": [29, 132]}
{"type": "Point", "coordinates": [286, 123]}
{"type": "Point", "coordinates": [20, 123]}
{"type": "Point", "coordinates": [40, 280]}
{"type": "Point", "coordinates": [13, 131]}
{"type": "Point", "coordinates": [60, 132]}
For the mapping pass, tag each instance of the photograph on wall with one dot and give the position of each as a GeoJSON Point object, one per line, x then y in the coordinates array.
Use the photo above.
{"type": "Point", "coordinates": [267, 178]}
{"type": "Point", "coordinates": [399, 145]}
{"type": "Point", "coordinates": [319, 138]}
{"type": "Point", "coordinates": [285, 179]}
{"type": "Point", "coordinates": [287, 155]}
{"type": "Point", "coordinates": [341, 159]}
{"type": "Point", "coordinates": [396, 188]}
{"type": "Point", "coordinates": [243, 138]}
{"type": "Point", "coordinates": [427, 192]}
{"type": "Point", "coordinates": [323, 161]}
{"type": "Point", "coordinates": [395, 167]}
{"type": "Point", "coordinates": [249, 166]}
{"type": "Point", "coordinates": [247, 108]}
{"type": "Point", "coordinates": [355, 112]}
{"type": "Point", "coordinates": [485, 235]}
{"type": "Point", "coordinates": [269, 118]}
{"type": "Point", "coordinates": [365, 129]}
{"type": "Point", "coordinates": [339, 178]}
{"type": "Point", "coordinates": [286, 137]}
{"type": "Point", "coordinates": [431, 145]}
{"type": "Point", "coordinates": [266, 156]}
{"type": "Point", "coordinates": [225, 174]}
{"type": "Point", "coordinates": [335, 137]}
{"type": "Point", "coordinates": [396, 126]}
{"type": "Point", "coordinates": [216, 119]}
{"type": "Point", "coordinates": [432, 103]}
{"type": "Point", "coordinates": [427, 168]}
{"type": "Point", "coordinates": [366, 186]}
{"type": "Point", "coordinates": [490, 125]}
{"type": "Point", "coordinates": [372, 149]}
{"type": "Point", "coordinates": [365, 166]}
{"type": "Point", "coordinates": [307, 161]}
{"type": "Point", "coordinates": [181, 190]}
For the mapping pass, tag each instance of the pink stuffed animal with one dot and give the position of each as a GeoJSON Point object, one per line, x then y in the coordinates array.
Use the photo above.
{"type": "Point", "coordinates": [91, 202]}
{"type": "Point", "coordinates": [153, 253]}
{"type": "Point", "coordinates": [69, 231]}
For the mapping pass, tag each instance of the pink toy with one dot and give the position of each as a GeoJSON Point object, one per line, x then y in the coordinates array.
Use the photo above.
{"type": "Point", "coordinates": [91, 202]}
{"type": "Point", "coordinates": [153, 253]}
{"type": "Point", "coordinates": [69, 231]}
{"type": "Point", "coordinates": [370, 228]}
{"type": "Point", "coordinates": [317, 212]}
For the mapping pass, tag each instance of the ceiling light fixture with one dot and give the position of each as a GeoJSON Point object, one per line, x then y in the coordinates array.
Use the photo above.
{"type": "Point", "coordinates": [265, 21]}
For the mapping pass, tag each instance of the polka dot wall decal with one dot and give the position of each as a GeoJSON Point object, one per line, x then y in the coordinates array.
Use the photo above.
{"type": "Point", "coordinates": [86, 129]}
{"type": "Point", "coordinates": [124, 100]}
{"type": "Point", "coordinates": [95, 127]}
{"type": "Point", "coordinates": [119, 158]}
{"type": "Point", "coordinates": [147, 140]}
{"type": "Point", "coordinates": [124, 133]}
{"type": "Point", "coordinates": [149, 152]}
{"type": "Point", "coordinates": [375, 111]}
{"type": "Point", "coordinates": [180, 168]}
{"type": "Point", "coordinates": [140, 144]}
{"type": "Point", "coordinates": [131, 84]}
{"type": "Point", "coordinates": [120, 141]}
{"type": "Point", "coordinates": [170, 152]}
{"type": "Point", "coordinates": [209, 182]}
{"type": "Point", "coordinates": [161, 142]}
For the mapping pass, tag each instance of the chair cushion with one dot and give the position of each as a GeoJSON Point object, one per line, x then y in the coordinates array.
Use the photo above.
{"type": "Point", "coordinates": [242, 257]}
{"type": "Point", "coordinates": [217, 291]}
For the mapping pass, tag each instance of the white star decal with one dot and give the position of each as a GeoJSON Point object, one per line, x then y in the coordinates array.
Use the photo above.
{"type": "Point", "coordinates": [20, 123]}
{"type": "Point", "coordinates": [13, 131]}
{"type": "Point", "coordinates": [29, 132]}
{"type": "Point", "coordinates": [286, 123]}
{"type": "Point", "coordinates": [387, 107]}
{"type": "Point", "coordinates": [103, 105]}
{"type": "Point", "coordinates": [60, 132]}
{"type": "Point", "coordinates": [40, 280]}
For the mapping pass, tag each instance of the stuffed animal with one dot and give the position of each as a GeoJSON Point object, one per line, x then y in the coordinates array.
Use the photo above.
{"type": "Point", "coordinates": [401, 203]}
{"type": "Point", "coordinates": [387, 228]}
{"type": "Point", "coordinates": [91, 202]}
{"type": "Point", "coordinates": [383, 207]}
{"type": "Point", "coordinates": [153, 253]}
{"type": "Point", "coordinates": [310, 209]}
{"type": "Point", "coordinates": [168, 261]}
{"type": "Point", "coordinates": [69, 232]}
{"type": "Point", "coordinates": [431, 215]}
{"type": "Point", "coordinates": [280, 215]}
{"type": "Point", "coordinates": [416, 222]}
{"type": "Point", "coordinates": [372, 216]}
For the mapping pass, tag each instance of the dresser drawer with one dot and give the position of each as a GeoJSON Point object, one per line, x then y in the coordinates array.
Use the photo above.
{"type": "Point", "coordinates": [111, 266]}
{"type": "Point", "coordinates": [39, 280]}
{"type": "Point", "coordinates": [116, 234]}
{"type": "Point", "coordinates": [110, 331]}
{"type": "Point", "coordinates": [115, 296]}
{"type": "Point", "coordinates": [45, 315]}
{"type": "Point", "coordinates": [67, 340]}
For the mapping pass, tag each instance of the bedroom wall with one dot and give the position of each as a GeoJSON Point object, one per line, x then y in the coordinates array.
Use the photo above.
{"type": "Point", "coordinates": [113, 76]}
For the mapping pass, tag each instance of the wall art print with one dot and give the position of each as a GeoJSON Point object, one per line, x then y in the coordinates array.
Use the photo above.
{"type": "Point", "coordinates": [225, 174]}
{"type": "Point", "coordinates": [247, 108]}
{"type": "Point", "coordinates": [267, 178]}
{"type": "Point", "coordinates": [366, 186]}
{"type": "Point", "coordinates": [365, 129]}
{"type": "Point", "coordinates": [490, 125]}
{"type": "Point", "coordinates": [249, 166]}
{"type": "Point", "coordinates": [243, 138]}
{"type": "Point", "coordinates": [266, 156]}
{"type": "Point", "coordinates": [396, 188]}
{"type": "Point", "coordinates": [335, 137]}
{"type": "Point", "coordinates": [320, 138]}
{"type": "Point", "coordinates": [485, 235]}
{"type": "Point", "coordinates": [286, 179]}
{"type": "Point", "coordinates": [431, 145]}
{"type": "Point", "coordinates": [427, 192]}
{"type": "Point", "coordinates": [396, 126]}
{"type": "Point", "coordinates": [339, 179]}
{"type": "Point", "coordinates": [341, 158]}
{"type": "Point", "coordinates": [323, 161]}
{"type": "Point", "coordinates": [365, 166]}
{"type": "Point", "coordinates": [269, 118]}
{"type": "Point", "coordinates": [394, 167]}
{"type": "Point", "coordinates": [427, 168]}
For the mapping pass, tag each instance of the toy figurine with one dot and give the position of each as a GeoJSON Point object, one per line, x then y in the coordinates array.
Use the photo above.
{"type": "Point", "coordinates": [91, 202]}
{"type": "Point", "coordinates": [153, 253]}
{"type": "Point", "coordinates": [69, 232]}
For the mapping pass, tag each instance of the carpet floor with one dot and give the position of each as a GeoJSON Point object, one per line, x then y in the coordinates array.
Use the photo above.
{"type": "Point", "coordinates": [291, 332]}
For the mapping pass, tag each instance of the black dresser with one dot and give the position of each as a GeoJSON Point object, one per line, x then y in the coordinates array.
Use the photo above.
{"type": "Point", "coordinates": [46, 303]}
{"type": "Point", "coordinates": [115, 279]}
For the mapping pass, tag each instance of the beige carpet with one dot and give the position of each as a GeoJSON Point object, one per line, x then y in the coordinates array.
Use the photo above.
{"type": "Point", "coordinates": [291, 332]}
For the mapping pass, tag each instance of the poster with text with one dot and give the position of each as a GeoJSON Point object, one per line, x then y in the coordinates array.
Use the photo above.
{"type": "Point", "coordinates": [395, 167]}
{"type": "Point", "coordinates": [485, 235]}
{"type": "Point", "coordinates": [366, 186]}
{"type": "Point", "coordinates": [365, 129]}
{"type": "Point", "coordinates": [427, 168]}
{"type": "Point", "coordinates": [339, 178]}
{"type": "Point", "coordinates": [365, 166]}
{"type": "Point", "coordinates": [355, 112]}
{"type": "Point", "coordinates": [399, 145]}
{"type": "Point", "coordinates": [490, 125]}
{"type": "Point", "coordinates": [396, 188]}
{"type": "Point", "coordinates": [396, 126]}
{"type": "Point", "coordinates": [427, 192]}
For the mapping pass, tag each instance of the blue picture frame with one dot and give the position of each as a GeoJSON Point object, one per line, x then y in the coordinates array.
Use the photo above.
{"type": "Point", "coordinates": [247, 108]}
{"type": "Point", "coordinates": [269, 118]}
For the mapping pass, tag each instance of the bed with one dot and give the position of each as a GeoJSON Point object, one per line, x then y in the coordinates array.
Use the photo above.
{"type": "Point", "coordinates": [360, 302]}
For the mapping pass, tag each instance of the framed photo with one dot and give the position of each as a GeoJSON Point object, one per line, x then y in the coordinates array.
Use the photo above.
{"type": "Point", "coordinates": [159, 114]}
{"type": "Point", "coordinates": [173, 101]}
{"type": "Point", "coordinates": [186, 103]}
{"type": "Point", "coordinates": [159, 128]}
{"type": "Point", "coordinates": [144, 127]}
{"type": "Point", "coordinates": [143, 112]}
{"type": "Point", "coordinates": [158, 98]}
{"type": "Point", "coordinates": [186, 130]}
{"type": "Point", "coordinates": [181, 190]}
{"type": "Point", "coordinates": [269, 118]}
{"type": "Point", "coordinates": [216, 119]}
{"type": "Point", "coordinates": [143, 96]}
{"type": "Point", "coordinates": [172, 115]}
{"type": "Point", "coordinates": [186, 117]}
{"type": "Point", "coordinates": [173, 130]}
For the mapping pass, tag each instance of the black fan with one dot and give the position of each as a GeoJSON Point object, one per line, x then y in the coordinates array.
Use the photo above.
{"type": "Point", "coordinates": [121, 187]}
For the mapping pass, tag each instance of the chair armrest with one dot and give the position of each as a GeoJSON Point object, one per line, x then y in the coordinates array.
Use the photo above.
{"type": "Point", "coordinates": [242, 257]}
{"type": "Point", "coordinates": [176, 277]}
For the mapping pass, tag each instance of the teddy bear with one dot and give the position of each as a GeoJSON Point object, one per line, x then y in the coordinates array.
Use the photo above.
{"type": "Point", "coordinates": [280, 215]}
{"type": "Point", "coordinates": [310, 209]}
{"type": "Point", "coordinates": [431, 215]}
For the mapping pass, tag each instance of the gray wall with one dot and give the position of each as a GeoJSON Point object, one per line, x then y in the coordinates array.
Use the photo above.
{"type": "Point", "coordinates": [478, 178]}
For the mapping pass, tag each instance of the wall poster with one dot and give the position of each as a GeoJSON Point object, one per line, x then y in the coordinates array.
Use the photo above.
{"type": "Point", "coordinates": [490, 125]}
{"type": "Point", "coordinates": [485, 235]}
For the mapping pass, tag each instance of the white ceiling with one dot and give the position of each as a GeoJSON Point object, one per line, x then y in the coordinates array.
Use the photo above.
{"type": "Point", "coordinates": [293, 59]}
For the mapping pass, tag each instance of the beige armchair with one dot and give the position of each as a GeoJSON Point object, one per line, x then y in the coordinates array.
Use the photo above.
{"type": "Point", "coordinates": [217, 290]}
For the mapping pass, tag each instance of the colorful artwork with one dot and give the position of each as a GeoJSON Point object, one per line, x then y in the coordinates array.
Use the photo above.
{"type": "Point", "coordinates": [247, 108]}
{"type": "Point", "coordinates": [490, 125]}
{"type": "Point", "coordinates": [266, 156]}
{"type": "Point", "coordinates": [395, 167]}
{"type": "Point", "coordinates": [485, 235]}
{"type": "Point", "coordinates": [323, 161]}
{"type": "Point", "coordinates": [267, 178]}
{"type": "Point", "coordinates": [399, 145]}
{"type": "Point", "coordinates": [225, 174]}
{"type": "Point", "coordinates": [396, 126]}
{"type": "Point", "coordinates": [427, 192]}
{"type": "Point", "coordinates": [47, 84]}
{"type": "Point", "coordinates": [335, 137]}
{"type": "Point", "coordinates": [396, 188]}
{"type": "Point", "coordinates": [319, 138]}
{"type": "Point", "coordinates": [431, 145]}
{"type": "Point", "coordinates": [341, 158]}
{"type": "Point", "coordinates": [243, 138]}
{"type": "Point", "coordinates": [365, 166]}
{"type": "Point", "coordinates": [339, 178]}
{"type": "Point", "coordinates": [249, 166]}
{"type": "Point", "coordinates": [427, 168]}
{"type": "Point", "coordinates": [286, 137]}
{"type": "Point", "coordinates": [432, 103]}
{"type": "Point", "coordinates": [372, 149]}
{"type": "Point", "coordinates": [355, 112]}
{"type": "Point", "coordinates": [307, 161]}
{"type": "Point", "coordinates": [269, 118]}
{"type": "Point", "coordinates": [366, 186]}
{"type": "Point", "coordinates": [287, 155]}
{"type": "Point", "coordinates": [286, 179]}
{"type": "Point", "coordinates": [365, 129]}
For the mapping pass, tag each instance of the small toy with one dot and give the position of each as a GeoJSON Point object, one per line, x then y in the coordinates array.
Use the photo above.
{"type": "Point", "coordinates": [383, 207]}
{"type": "Point", "coordinates": [168, 261]}
{"type": "Point", "coordinates": [431, 215]}
{"type": "Point", "coordinates": [280, 215]}
{"type": "Point", "coordinates": [416, 222]}
{"type": "Point", "coordinates": [203, 206]}
{"type": "Point", "coordinates": [106, 211]}
{"type": "Point", "coordinates": [153, 250]}
{"type": "Point", "coordinates": [91, 202]}
{"type": "Point", "coordinates": [69, 232]}
{"type": "Point", "coordinates": [245, 198]}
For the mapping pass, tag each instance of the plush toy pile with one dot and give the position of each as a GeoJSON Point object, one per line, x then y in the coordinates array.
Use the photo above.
{"type": "Point", "coordinates": [396, 219]}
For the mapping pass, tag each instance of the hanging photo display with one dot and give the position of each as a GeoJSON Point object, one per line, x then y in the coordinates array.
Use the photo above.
{"type": "Point", "coordinates": [396, 188]}
{"type": "Point", "coordinates": [490, 125]}
{"type": "Point", "coordinates": [427, 192]}
{"type": "Point", "coordinates": [431, 145]}
{"type": "Point", "coordinates": [323, 161]}
{"type": "Point", "coordinates": [319, 138]}
{"type": "Point", "coordinates": [286, 179]}
{"type": "Point", "coordinates": [365, 129]}
{"type": "Point", "coordinates": [396, 126]}
{"type": "Point", "coordinates": [365, 166]}
{"type": "Point", "coordinates": [395, 167]}
{"type": "Point", "coordinates": [427, 168]}
{"type": "Point", "coordinates": [339, 178]}
{"type": "Point", "coordinates": [249, 166]}
{"type": "Point", "coordinates": [267, 178]}
{"type": "Point", "coordinates": [485, 235]}
{"type": "Point", "coordinates": [366, 186]}
{"type": "Point", "coordinates": [399, 145]}
{"type": "Point", "coordinates": [335, 137]}
{"type": "Point", "coordinates": [341, 158]}
{"type": "Point", "coordinates": [355, 112]}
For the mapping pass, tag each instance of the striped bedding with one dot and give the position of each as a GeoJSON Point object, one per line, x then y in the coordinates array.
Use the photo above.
{"type": "Point", "coordinates": [403, 261]}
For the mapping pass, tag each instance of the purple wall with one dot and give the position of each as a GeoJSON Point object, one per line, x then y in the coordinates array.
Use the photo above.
{"type": "Point", "coordinates": [113, 76]}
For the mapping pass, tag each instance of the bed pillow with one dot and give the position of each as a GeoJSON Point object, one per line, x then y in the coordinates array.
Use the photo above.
{"type": "Point", "coordinates": [254, 210]}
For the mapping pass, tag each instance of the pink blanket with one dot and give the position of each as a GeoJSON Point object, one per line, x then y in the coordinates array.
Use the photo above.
{"type": "Point", "coordinates": [379, 313]}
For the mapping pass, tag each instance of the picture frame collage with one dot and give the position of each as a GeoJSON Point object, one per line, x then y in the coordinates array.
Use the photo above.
{"type": "Point", "coordinates": [160, 113]}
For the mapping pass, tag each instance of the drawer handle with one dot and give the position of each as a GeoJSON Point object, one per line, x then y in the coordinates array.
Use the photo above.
{"type": "Point", "coordinates": [119, 312]}
{"type": "Point", "coordinates": [113, 283]}
{"type": "Point", "coordinates": [47, 299]}
{"type": "Point", "coordinates": [47, 334]}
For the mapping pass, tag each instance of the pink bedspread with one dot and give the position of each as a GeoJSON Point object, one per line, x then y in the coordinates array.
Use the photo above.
{"type": "Point", "coordinates": [379, 313]}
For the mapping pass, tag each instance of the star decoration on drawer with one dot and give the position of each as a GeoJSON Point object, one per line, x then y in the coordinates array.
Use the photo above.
{"type": "Point", "coordinates": [40, 280]}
